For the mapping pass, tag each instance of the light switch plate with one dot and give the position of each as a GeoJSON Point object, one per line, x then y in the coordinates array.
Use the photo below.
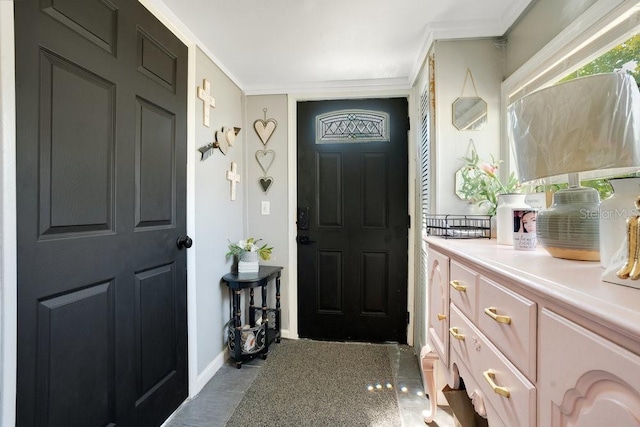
{"type": "Point", "coordinates": [265, 208]}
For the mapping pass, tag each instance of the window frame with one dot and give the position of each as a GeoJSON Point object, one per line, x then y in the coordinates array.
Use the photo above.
{"type": "Point", "coordinates": [603, 26]}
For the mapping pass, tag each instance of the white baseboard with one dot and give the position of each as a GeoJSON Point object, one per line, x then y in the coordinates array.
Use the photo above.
{"type": "Point", "coordinates": [209, 372]}
{"type": "Point", "coordinates": [285, 333]}
{"type": "Point", "coordinates": [202, 380]}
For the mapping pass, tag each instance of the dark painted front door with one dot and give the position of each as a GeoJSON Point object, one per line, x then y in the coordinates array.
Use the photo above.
{"type": "Point", "coordinates": [352, 219]}
{"type": "Point", "coordinates": [101, 167]}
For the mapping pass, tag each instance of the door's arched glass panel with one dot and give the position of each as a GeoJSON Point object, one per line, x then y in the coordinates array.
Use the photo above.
{"type": "Point", "coordinates": [352, 126]}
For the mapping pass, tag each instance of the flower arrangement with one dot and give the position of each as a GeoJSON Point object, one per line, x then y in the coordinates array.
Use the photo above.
{"type": "Point", "coordinates": [481, 185]}
{"type": "Point", "coordinates": [249, 245]}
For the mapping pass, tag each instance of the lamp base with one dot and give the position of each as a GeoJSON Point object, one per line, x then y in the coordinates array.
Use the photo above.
{"type": "Point", "coordinates": [569, 229]}
{"type": "Point", "coordinates": [577, 254]}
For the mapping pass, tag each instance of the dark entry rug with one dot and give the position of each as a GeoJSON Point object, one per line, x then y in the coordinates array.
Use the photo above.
{"type": "Point", "coordinates": [311, 383]}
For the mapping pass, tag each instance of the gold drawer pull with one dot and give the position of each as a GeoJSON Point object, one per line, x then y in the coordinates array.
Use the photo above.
{"type": "Point", "coordinates": [454, 333]}
{"type": "Point", "coordinates": [490, 376]}
{"type": "Point", "coordinates": [455, 284]}
{"type": "Point", "coordinates": [441, 317]}
{"type": "Point", "coordinates": [493, 313]}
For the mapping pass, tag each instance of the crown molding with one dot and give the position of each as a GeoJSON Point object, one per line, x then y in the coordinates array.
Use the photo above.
{"type": "Point", "coordinates": [453, 30]}
{"type": "Point", "coordinates": [510, 16]}
{"type": "Point", "coordinates": [400, 84]}
{"type": "Point", "coordinates": [159, 8]}
{"type": "Point", "coordinates": [443, 30]}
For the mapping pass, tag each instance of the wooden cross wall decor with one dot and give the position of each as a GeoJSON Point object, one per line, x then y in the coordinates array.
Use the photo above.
{"type": "Point", "coordinates": [233, 177]}
{"type": "Point", "coordinates": [208, 101]}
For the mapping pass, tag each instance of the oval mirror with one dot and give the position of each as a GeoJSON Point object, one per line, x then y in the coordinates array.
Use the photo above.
{"type": "Point", "coordinates": [469, 113]}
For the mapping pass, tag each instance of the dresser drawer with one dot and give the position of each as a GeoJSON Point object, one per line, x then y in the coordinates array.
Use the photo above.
{"type": "Point", "coordinates": [509, 321]}
{"type": "Point", "coordinates": [438, 279]}
{"type": "Point", "coordinates": [462, 289]}
{"type": "Point", "coordinates": [480, 403]}
{"type": "Point", "coordinates": [511, 394]}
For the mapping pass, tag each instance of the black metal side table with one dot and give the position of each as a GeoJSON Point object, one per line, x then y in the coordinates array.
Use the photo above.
{"type": "Point", "coordinates": [264, 323]}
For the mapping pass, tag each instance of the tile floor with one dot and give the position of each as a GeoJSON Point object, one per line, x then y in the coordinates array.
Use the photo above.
{"type": "Point", "coordinates": [213, 406]}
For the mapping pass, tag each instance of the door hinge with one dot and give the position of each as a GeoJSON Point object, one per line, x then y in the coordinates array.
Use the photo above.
{"type": "Point", "coordinates": [408, 221]}
{"type": "Point", "coordinates": [408, 123]}
{"type": "Point", "coordinates": [408, 317]}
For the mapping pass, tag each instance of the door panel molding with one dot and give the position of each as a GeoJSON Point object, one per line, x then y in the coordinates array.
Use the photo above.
{"type": "Point", "coordinates": [330, 271]}
{"type": "Point", "coordinates": [375, 272]}
{"type": "Point", "coordinates": [156, 61]}
{"type": "Point", "coordinates": [375, 173]}
{"type": "Point", "coordinates": [99, 28]}
{"type": "Point", "coordinates": [155, 166]}
{"type": "Point", "coordinates": [63, 136]}
{"type": "Point", "coordinates": [155, 326]}
{"type": "Point", "coordinates": [85, 349]}
{"type": "Point", "coordinates": [330, 212]}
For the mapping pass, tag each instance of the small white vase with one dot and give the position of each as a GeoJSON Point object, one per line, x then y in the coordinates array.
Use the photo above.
{"type": "Point", "coordinates": [613, 214]}
{"type": "Point", "coordinates": [504, 215]}
{"type": "Point", "coordinates": [249, 263]}
{"type": "Point", "coordinates": [249, 257]}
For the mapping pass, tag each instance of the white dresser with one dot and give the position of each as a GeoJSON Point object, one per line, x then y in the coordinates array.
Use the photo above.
{"type": "Point", "coordinates": [538, 341]}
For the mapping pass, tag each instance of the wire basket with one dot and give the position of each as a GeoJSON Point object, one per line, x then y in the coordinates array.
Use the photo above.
{"type": "Point", "coordinates": [459, 226]}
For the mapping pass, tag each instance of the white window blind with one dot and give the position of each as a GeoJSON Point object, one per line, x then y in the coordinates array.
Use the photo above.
{"type": "Point", "coordinates": [425, 152]}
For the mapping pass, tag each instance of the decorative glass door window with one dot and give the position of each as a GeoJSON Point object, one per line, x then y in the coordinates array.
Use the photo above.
{"type": "Point", "coordinates": [352, 126]}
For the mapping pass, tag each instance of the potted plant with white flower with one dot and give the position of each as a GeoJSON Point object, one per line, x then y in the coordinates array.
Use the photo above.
{"type": "Point", "coordinates": [481, 184]}
{"type": "Point", "coordinates": [248, 251]}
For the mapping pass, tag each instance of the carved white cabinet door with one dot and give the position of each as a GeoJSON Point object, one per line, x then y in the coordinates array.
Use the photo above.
{"type": "Point", "coordinates": [439, 304]}
{"type": "Point", "coordinates": [584, 379]}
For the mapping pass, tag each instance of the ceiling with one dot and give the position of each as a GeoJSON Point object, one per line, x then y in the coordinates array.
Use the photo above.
{"type": "Point", "coordinates": [283, 46]}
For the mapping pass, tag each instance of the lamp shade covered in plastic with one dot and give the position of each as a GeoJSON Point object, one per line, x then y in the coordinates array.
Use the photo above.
{"type": "Point", "coordinates": [590, 125]}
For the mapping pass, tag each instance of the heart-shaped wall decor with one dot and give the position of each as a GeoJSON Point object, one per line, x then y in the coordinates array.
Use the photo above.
{"type": "Point", "coordinates": [265, 159]}
{"type": "Point", "coordinates": [264, 129]}
{"type": "Point", "coordinates": [265, 183]}
{"type": "Point", "coordinates": [221, 142]}
{"type": "Point", "coordinates": [230, 135]}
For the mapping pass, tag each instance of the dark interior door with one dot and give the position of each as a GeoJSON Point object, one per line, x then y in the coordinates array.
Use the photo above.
{"type": "Point", "coordinates": [352, 219]}
{"type": "Point", "coordinates": [101, 166]}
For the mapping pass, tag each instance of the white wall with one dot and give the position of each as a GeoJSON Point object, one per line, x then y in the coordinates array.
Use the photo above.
{"type": "Point", "coordinates": [272, 228]}
{"type": "Point", "coordinates": [452, 59]}
{"type": "Point", "coordinates": [217, 218]}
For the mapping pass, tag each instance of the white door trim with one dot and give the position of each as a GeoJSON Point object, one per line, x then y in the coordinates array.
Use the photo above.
{"type": "Point", "coordinates": [8, 246]}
